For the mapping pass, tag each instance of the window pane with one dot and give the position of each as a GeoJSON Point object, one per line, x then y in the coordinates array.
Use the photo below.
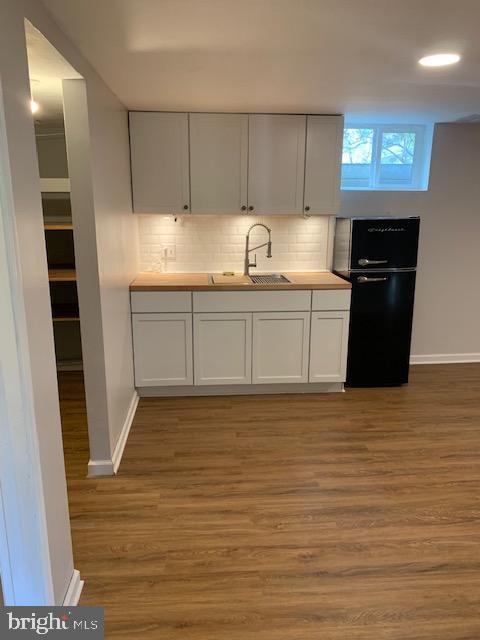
{"type": "Point", "coordinates": [357, 157]}
{"type": "Point", "coordinates": [394, 157]}
{"type": "Point", "coordinates": [397, 155]}
{"type": "Point", "coordinates": [357, 146]}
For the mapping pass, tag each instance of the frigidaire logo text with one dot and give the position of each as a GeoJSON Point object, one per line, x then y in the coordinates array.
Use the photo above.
{"type": "Point", "coordinates": [385, 229]}
{"type": "Point", "coordinates": [42, 625]}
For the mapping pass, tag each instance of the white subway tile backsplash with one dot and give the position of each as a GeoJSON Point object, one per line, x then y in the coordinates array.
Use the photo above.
{"type": "Point", "coordinates": [217, 243]}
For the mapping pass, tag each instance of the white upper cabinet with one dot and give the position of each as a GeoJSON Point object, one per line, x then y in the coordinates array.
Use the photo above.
{"type": "Point", "coordinates": [160, 162]}
{"type": "Point", "coordinates": [276, 163]}
{"type": "Point", "coordinates": [322, 164]}
{"type": "Point", "coordinates": [228, 163]}
{"type": "Point", "coordinates": [218, 162]}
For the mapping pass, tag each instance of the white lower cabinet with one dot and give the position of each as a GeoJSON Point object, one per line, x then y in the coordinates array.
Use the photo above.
{"type": "Point", "coordinates": [328, 346]}
{"type": "Point", "coordinates": [240, 338]}
{"type": "Point", "coordinates": [222, 348]}
{"type": "Point", "coordinates": [280, 347]}
{"type": "Point", "coordinates": [163, 349]}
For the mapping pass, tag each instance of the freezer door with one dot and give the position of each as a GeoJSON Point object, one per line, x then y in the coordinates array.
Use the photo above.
{"type": "Point", "coordinates": [380, 328]}
{"type": "Point", "coordinates": [384, 243]}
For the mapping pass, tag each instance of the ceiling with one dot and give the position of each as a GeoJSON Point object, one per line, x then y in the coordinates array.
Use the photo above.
{"type": "Point", "coordinates": [47, 68]}
{"type": "Point", "coordinates": [325, 56]}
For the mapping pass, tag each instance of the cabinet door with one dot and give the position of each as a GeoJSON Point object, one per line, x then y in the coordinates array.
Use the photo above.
{"type": "Point", "coordinates": [323, 164]}
{"type": "Point", "coordinates": [223, 348]}
{"type": "Point", "coordinates": [276, 163]}
{"type": "Point", "coordinates": [162, 344]}
{"type": "Point", "coordinates": [160, 163]}
{"type": "Point", "coordinates": [280, 347]}
{"type": "Point", "coordinates": [218, 162]}
{"type": "Point", "coordinates": [328, 347]}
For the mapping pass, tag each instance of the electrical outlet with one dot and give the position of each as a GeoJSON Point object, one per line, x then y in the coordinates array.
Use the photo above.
{"type": "Point", "coordinates": [170, 251]}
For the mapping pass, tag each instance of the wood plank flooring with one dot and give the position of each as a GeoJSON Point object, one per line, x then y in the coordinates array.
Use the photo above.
{"type": "Point", "coordinates": [349, 516]}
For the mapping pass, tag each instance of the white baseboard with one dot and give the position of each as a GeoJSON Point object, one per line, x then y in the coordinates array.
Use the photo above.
{"type": "Point", "coordinates": [240, 389]}
{"type": "Point", "coordinates": [110, 467]}
{"type": "Point", "coordinates": [72, 597]}
{"type": "Point", "coordinates": [445, 358]}
{"type": "Point", "coordinates": [123, 437]}
{"type": "Point", "coordinates": [100, 468]}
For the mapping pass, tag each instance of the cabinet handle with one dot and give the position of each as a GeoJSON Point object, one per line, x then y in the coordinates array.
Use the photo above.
{"type": "Point", "coordinates": [364, 262]}
{"type": "Point", "coordinates": [185, 206]}
{"type": "Point", "coordinates": [244, 208]}
{"type": "Point", "coordinates": [364, 279]}
{"type": "Point", "coordinates": [307, 208]}
{"type": "Point", "coordinates": [250, 208]}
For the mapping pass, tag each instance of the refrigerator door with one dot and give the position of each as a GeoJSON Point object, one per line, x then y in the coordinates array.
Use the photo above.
{"type": "Point", "coordinates": [380, 328]}
{"type": "Point", "coordinates": [384, 243]}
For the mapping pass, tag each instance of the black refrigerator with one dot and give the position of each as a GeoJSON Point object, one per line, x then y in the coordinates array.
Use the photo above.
{"type": "Point", "coordinates": [378, 255]}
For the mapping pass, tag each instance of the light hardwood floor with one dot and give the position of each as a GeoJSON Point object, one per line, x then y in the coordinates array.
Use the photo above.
{"type": "Point", "coordinates": [349, 516]}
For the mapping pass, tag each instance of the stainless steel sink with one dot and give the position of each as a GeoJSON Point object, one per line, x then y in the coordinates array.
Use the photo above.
{"type": "Point", "coordinates": [269, 278]}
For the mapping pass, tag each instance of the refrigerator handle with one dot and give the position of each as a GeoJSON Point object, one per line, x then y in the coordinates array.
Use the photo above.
{"type": "Point", "coordinates": [364, 279]}
{"type": "Point", "coordinates": [364, 262]}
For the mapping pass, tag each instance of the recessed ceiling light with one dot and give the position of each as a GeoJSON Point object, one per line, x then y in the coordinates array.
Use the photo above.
{"type": "Point", "coordinates": [34, 106]}
{"type": "Point", "coordinates": [439, 60]}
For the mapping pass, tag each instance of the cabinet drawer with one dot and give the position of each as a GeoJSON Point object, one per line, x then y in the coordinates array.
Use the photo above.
{"type": "Point", "coordinates": [161, 301]}
{"type": "Point", "coordinates": [331, 300]}
{"type": "Point", "coordinates": [244, 301]}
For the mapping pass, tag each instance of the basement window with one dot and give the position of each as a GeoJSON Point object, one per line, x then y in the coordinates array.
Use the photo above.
{"type": "Point", "coordinates": [386, 157]}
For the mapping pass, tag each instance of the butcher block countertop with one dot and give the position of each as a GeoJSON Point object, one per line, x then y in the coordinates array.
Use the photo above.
{"type": "Point", "coordinates": [204, 282]}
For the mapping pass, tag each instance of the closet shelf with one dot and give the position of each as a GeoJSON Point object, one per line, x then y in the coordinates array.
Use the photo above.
{"type": "Point", "coordinates": [55, 185]}
{"type": "Point", "coordinates": [62, 275]}
{"type": "Point", "coordinates": [58, 226]}
{"type": "Point", "coordinates": [69, 365]}
{"type": "Point", "coordinates": [65, 312]}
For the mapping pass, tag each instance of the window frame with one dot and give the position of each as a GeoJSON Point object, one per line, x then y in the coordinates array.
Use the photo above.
{"type": "Point", "coordinates": [421, 158]}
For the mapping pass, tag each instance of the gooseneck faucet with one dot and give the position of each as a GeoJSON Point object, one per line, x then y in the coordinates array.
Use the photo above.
{"type": "Point", "coordinates": [268, 244]}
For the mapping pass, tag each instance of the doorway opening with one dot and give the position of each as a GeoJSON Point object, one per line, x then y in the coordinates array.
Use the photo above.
{"type": "Point", "coordinates": [47, 70]}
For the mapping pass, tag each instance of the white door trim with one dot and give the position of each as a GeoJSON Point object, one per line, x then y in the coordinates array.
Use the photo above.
{"type": "Point", "coordinates": [25, 561]}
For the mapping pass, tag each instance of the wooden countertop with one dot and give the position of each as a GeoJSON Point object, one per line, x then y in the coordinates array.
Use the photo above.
{"type": "Point", "coordinates": [149, 281]}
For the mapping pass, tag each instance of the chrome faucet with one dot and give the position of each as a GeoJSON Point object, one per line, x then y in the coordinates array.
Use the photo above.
{"type": "Point", "coordinates": [268, 244]}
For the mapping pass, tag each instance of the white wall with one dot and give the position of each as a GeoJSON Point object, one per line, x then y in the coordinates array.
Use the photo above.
{"type": "Point", "coordinates": [52, 156]}
{"type": "Point", "coordinates": [447, 302]}
{"type": "Point", "coordinates": [217, 243]}
{"type": "Point", "coordinates": [117, 246]}
{"type": "Point", "coordinates": [106, 267]}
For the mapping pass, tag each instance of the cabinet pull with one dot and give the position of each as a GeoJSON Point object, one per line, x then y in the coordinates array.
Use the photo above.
{"type": "Point", "coordinates": [244, 208]}
{"type": "Point", "coordinates": [364, 262]}
{"type": "Point", "coordinates": [364, 279]}
{"type": "Point", "coordinates": [250, 208]}
{"type": "Point", "coordinates": [307, 208]}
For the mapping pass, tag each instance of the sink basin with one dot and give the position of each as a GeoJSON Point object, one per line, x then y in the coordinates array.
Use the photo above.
{"type": "Point", "coordinates": [260, 278]}
{"type": "Point", "coordinates": [269, 278]}
{"type": "Point", "coordinates": [234, 279]}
